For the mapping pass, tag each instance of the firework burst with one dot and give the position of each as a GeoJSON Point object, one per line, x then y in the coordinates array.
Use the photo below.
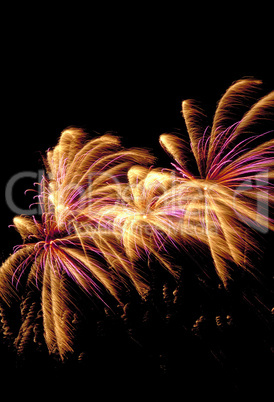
{"type": "Point", "coordinates": [63, 246]}
{"type": "Point", "coordinates": [143, 221]}
{"type": "Point", "coordinates": [230, 193]}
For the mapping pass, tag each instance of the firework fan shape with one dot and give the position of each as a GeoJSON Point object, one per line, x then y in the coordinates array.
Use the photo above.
{"type": "Point", "coordinates": [226, 201]}
{"type": "Point", "coordinates": [63, 246]}
{"type": "Point", "coordinates": [143, 221]}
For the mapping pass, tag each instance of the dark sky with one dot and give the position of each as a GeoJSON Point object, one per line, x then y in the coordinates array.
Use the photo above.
{"type": "Point", "coordinates": [125, 70]}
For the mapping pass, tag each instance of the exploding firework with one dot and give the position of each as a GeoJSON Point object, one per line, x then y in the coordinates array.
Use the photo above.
{"type": "Point", "coordinates": [143, 220]}
{"type": "Point", "coordinates": [63, 245]}
{"type": "Point", "coordinates": [231, 191]}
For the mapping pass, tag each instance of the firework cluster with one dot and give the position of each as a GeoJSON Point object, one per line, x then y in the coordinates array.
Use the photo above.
{"type": "Point", "coordinates": [108, 214]}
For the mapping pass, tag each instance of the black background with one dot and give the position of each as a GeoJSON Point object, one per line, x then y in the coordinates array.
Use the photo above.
{"type": "Point", "coordinates": [128, 79]}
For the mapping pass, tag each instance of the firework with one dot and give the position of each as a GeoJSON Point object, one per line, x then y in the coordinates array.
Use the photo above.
{"type": "Point", "coordinates": [63, 245]}
{"type": "Point", "coordinates": [229, 194]}
{"type": "Point", "coordinates": [143, 220]}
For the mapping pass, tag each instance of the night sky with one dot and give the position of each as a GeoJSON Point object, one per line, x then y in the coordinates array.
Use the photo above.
{"type": "Point", "coordinates": [133, 90]}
